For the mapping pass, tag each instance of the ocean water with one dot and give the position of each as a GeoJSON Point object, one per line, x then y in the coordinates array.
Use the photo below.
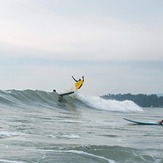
{"type": "Point", "coordinates": [41, 127]}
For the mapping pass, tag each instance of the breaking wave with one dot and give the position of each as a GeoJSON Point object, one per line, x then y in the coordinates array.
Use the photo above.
{"type": "Point", "coordinates": [35, 98]}
{"type": "Point", "coordinates": [109, 105]}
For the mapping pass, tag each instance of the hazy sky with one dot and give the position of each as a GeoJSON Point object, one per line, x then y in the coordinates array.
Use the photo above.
{"type": "Point", "coordinates": [116, 44]}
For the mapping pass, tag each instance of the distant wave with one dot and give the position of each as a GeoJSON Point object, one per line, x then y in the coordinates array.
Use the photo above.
{"type": "Point", "coordinates": [35, 98]}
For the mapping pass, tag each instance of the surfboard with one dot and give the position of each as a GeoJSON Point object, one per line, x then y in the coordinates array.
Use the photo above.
{"type": "Point", "coordinates": [67, 93]}
{"type": "Point", "coordinates": [142, 122]}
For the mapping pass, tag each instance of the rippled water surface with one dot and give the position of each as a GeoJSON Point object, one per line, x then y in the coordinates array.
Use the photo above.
{"type": "Point", "coordinates": [75, 133]}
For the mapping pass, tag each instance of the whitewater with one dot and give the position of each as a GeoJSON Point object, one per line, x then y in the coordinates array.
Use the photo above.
{"type": "Point", "coordinates": [39, 126]}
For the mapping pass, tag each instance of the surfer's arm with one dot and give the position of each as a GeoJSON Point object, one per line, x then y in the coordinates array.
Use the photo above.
{"type": "Point", "coordinates": [83, 78]}
{"type": "Point", "coordinates": [74, 78]}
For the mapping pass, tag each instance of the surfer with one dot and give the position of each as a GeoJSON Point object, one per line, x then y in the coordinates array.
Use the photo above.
{"type": "Point", "coordinates": [161, 122]}
{"type": "Point", "coordinates": [79, 82]}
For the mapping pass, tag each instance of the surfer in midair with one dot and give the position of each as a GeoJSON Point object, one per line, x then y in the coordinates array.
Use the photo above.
{"type": "Point", "coordinates": [79, 82]}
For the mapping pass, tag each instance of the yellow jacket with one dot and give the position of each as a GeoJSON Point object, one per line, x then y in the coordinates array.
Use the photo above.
{"type": "Point", "coordinates": [78, 84]}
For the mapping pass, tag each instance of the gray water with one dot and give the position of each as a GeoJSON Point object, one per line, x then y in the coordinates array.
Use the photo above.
{"type": "Point", "coordinates": [78, 134]}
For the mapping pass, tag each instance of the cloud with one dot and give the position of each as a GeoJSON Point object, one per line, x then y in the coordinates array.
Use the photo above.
{"type": "Point", "coordinates": [40, 28]}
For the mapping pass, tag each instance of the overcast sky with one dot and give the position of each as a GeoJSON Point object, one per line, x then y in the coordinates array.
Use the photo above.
{"type": "Point", "coordinates": [116, 44]}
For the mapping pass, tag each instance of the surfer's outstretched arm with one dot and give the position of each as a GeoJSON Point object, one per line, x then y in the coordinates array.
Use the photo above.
{"type": "Point", "coordinates": [83, 78]}
{"type": "Point", "coordinates": [74, 78]}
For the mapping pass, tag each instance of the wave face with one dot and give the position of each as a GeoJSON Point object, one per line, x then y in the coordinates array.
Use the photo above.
{"type": "Point", "coordinates": [32, 98]}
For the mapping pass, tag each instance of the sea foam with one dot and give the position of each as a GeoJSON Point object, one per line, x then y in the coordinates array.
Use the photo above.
{"type": "Point", "coordinates": [109, 105]}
